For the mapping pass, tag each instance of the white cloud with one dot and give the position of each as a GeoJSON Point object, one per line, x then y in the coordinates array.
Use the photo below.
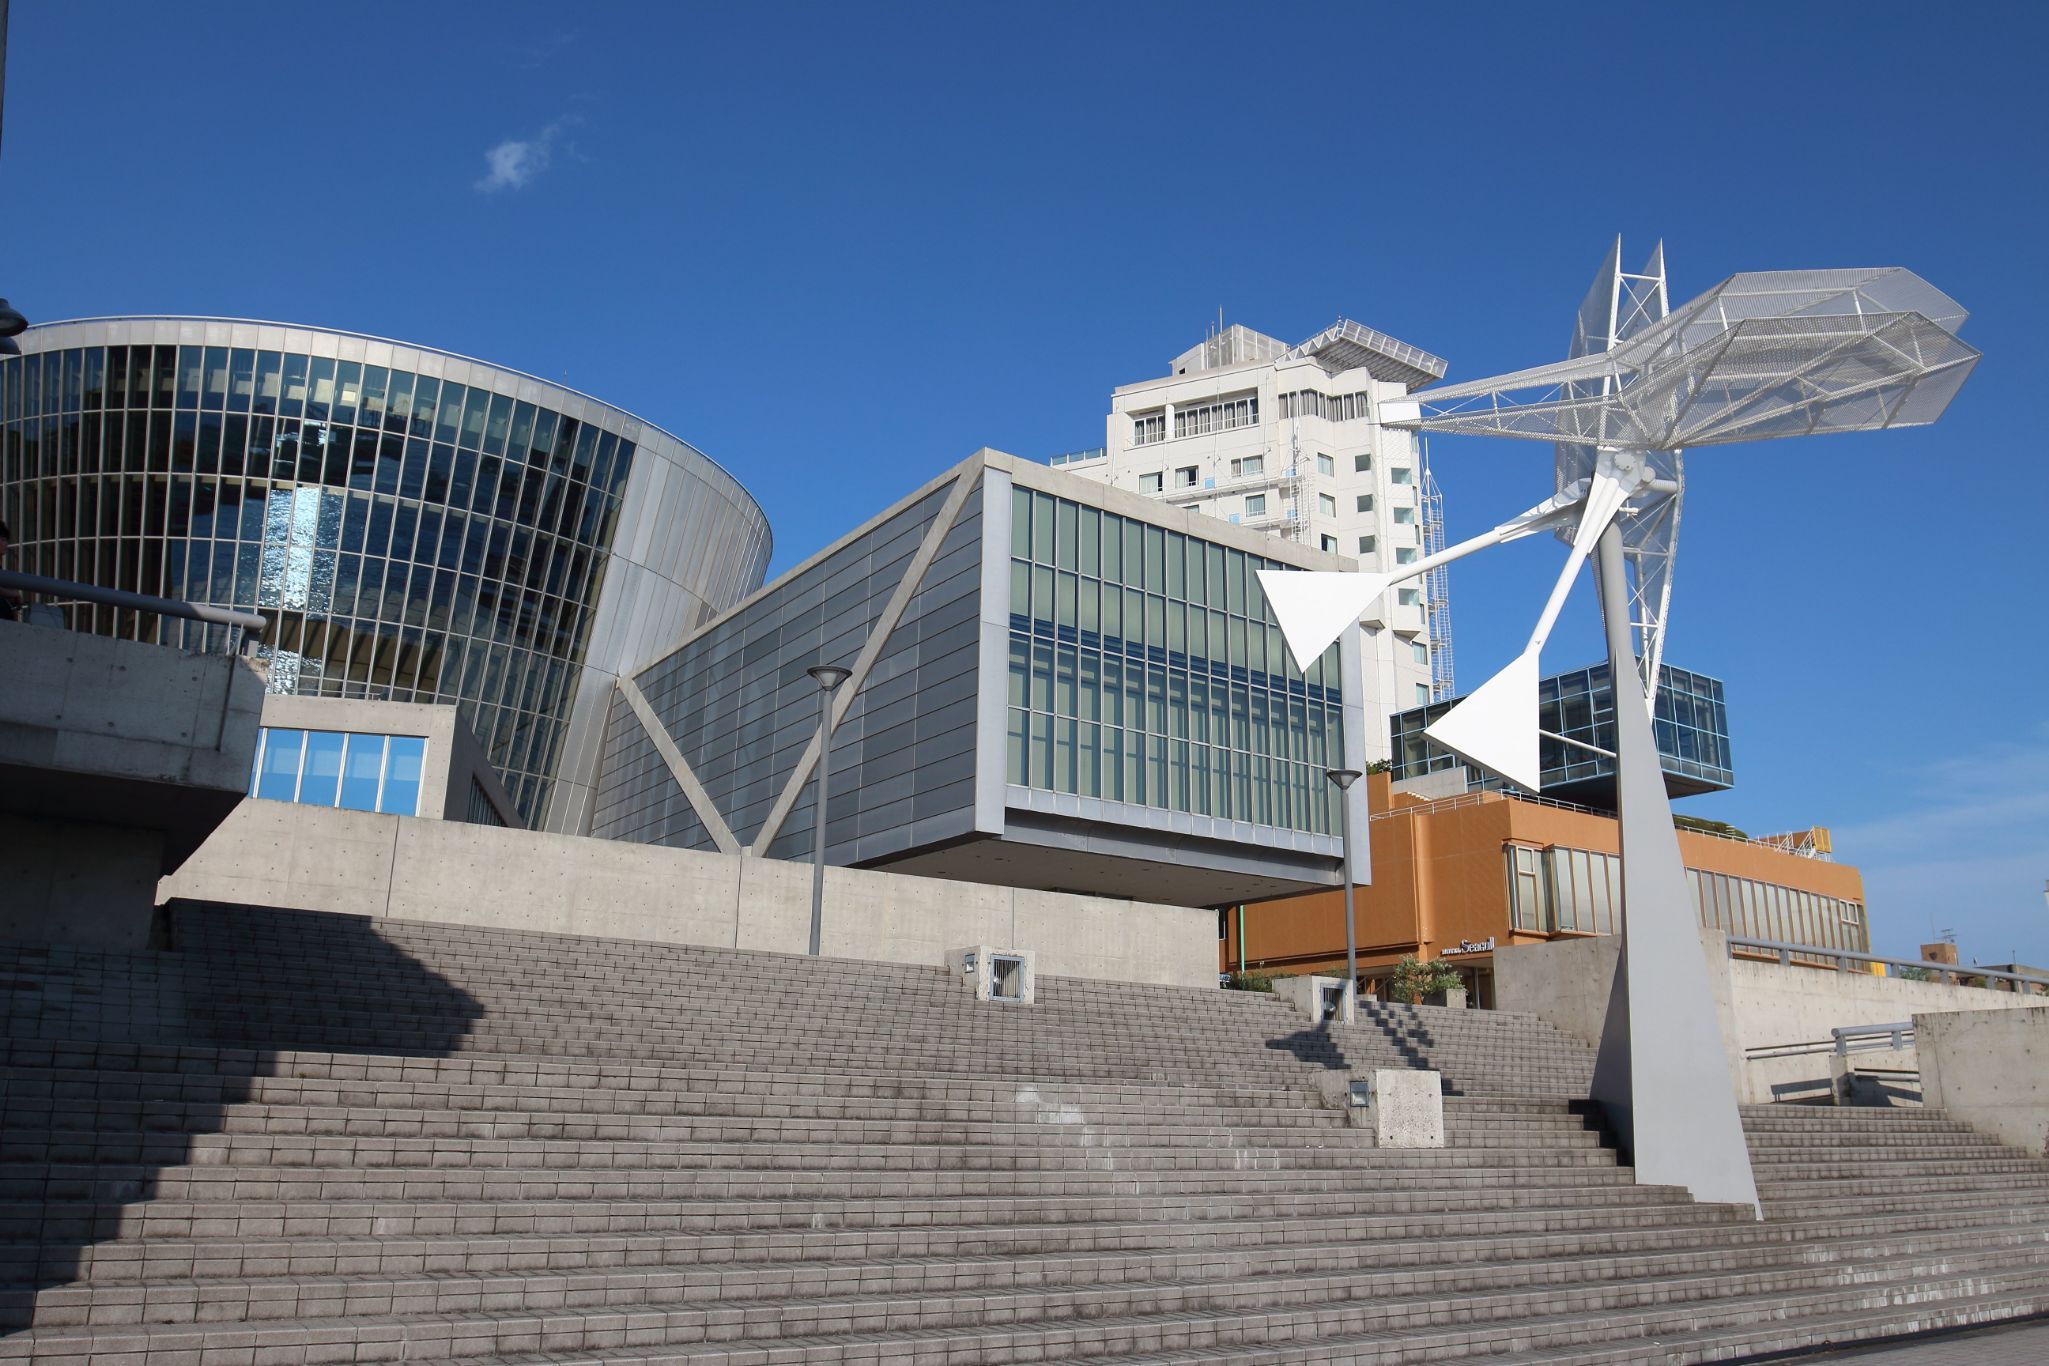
{"type": "Point", "coordinates": [515, 163]}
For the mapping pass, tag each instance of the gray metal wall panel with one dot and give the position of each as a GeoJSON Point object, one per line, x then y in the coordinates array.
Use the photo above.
{"type": "Point", "coordinates": [741, 710]}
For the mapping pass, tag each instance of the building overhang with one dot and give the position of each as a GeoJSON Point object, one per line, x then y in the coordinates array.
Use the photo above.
{"type": "Point", "coordinates": [1059, 854]}
{"type": "Point", "coordinates": [1346, 345]}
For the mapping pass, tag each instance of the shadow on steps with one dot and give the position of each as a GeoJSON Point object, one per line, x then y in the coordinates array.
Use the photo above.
{"type": "Point", "coordinates": [114, 1062]}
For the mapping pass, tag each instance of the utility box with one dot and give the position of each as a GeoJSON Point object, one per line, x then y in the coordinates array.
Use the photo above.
{"type": "Point", "coordinates": [1004, 975]}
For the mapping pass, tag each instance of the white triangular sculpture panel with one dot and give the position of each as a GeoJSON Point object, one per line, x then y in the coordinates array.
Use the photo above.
{"type": "Point", "coordinates": [1315, 607]}
{"type": "Point", "coordinates": [1495, 726]}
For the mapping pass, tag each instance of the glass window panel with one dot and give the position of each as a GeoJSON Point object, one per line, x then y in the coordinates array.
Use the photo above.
{"type": "Point", "coordinates": [278, 773]}
{"type": "Point", "coordinates": [362, 769]}
{"type": "Point", "coordinates": [322, 779]}
{"type": "Point", "coordinates": [1020, 521]}
{"type": "Point", "coordinates": [402, 776]}
{"type": "Point", "coordinates": [1015, 748]}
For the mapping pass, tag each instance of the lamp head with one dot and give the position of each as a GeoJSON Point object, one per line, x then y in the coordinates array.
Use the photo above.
{"type": "Point", "coordinates": [1343, 777]}
{"type": "Point", "coordinates": [828, 676]}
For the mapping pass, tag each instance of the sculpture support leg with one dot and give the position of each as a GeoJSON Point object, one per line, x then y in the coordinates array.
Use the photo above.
{"type": "Point", "coordinates": [1663, 1069]}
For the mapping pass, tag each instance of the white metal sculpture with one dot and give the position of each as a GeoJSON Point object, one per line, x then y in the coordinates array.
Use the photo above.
{"type": "Point", "coordinates": [1772, 354]}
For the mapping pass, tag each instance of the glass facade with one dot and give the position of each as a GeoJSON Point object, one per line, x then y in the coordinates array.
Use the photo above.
{"type": "Point", "coordinates": [1146, 668]}
{"type": "Point", "coordinates": [347, 769]}
{"type": "Point", "coordinates": [1560, 890]}
{"type": "Point", "coordinates": [411, 537]}
{"type": "Point", "coordinates": [1691, 722]}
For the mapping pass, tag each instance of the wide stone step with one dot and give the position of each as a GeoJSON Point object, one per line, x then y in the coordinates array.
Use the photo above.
{"type": "Point", "coordinates": [986, 1326]}
{"type": "Point", "coordinates": [224, 1282]}
{"type": "Point", "coordinates": [1035, 1148]}
{"type": "Point", "coordinates": [456, 1182]}
{"type": "Point", "coordinates": [1743, 1329]}
{"type": "Point", "coordinates": [513, 1073]}
{"type": "Point", "coordinates": [259, 1215]}
{"type": "Point", "coordinates": [1024, 1288]}
{"type": "Point", "coordinates": [100, 1135]}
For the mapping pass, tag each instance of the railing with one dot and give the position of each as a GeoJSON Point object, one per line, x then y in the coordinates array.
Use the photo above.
{"type": "Point", "coordinates": [1236, 483]}
{"type": "Point", "coordinates": [1459, 799]}
{"type": "Point", "coordinates": [2026, 983]}
{"type": "Point", "coordinates": [1076, 457]}
{"type": "Point", "coordinates": [244, 626]}
{"type": "Point", "coordinates": [1863, 1038]}
{"type": "Point", "coordinates": [1895, 1037]}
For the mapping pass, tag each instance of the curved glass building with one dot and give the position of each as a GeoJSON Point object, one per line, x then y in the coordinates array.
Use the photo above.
{"type": "Point", "coordinates": [418, 526]}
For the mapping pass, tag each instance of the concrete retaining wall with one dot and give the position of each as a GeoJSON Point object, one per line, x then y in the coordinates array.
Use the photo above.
{"type": "Point", "coordinates": [116, 759]}
{"type": "Point", "coordinates": [1760, 1005]}
{"type": "Point", "coordinates": [1990, 1069]}
{"type": "Point", "coordinates": [356, 863]}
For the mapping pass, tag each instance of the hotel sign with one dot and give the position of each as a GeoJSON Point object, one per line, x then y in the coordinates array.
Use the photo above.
{"type": "Point", "coordinates": [1468, 946]}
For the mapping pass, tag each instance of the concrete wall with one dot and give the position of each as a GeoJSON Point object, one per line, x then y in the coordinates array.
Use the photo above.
{"type": "Point", "coordinates": [316, 858]}
{"type": "Point", "coordinates": [1760, 1005]}
{"type": "Point", "coordinates": [1990, 1069]}
{"type": "Point", "coordinates": [1780, 1005]}
{"type": "Point", "coordinates": [1567, 983]}
{"type": "Point", "coordinates": [75, 882]}
{"type": "Point", "coordinates": [116, 759]}
{"type": "Point", "coordinates": [121, 710]}
{"type": "Point", "coordinates": [455, 759]}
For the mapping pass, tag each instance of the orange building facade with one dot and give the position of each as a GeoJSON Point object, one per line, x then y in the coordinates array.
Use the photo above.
{"type": "Point", "coordinates": [1458, 877]}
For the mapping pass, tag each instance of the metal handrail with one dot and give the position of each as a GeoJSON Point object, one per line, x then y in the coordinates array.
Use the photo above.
{"type": "Point", "coordinates": [1845, 957]}
{"type": "Point", "coordinates": [251, 622]}
{"type": "Point", "coordinates": [1898, 1035]}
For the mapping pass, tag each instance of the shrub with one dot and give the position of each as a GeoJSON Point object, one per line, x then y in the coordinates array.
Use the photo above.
{"type": "Point", "coordinates": [1413, 979]}
{"type": "Point", "coordinates": [1249, 981]}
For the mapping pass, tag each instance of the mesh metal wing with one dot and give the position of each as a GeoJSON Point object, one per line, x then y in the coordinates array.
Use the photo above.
{"type": "Point", "coordinates": [1617, 307]}
{"type": "Point", "coordinates": [1762, 355]}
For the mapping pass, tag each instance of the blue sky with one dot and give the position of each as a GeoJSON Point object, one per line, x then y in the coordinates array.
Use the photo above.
{"type": "Point", "coordinates": [840, 247]}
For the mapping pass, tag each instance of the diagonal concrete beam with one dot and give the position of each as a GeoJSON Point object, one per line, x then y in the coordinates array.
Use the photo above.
{"type": "Point", "coordinates": [679, 768]}
{"type": "Point", "coordinates": [871, 650]}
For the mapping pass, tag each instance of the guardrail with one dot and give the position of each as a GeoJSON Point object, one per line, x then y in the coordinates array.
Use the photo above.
{"type": "Point", "coordinates": [1842, 1042]}
{"type": "Point", "coordinates": [2026, 983]}
{"type": "Point", "coordinates": [252, 625]}
{"type": "Point", "coordinates": [1474, 798]}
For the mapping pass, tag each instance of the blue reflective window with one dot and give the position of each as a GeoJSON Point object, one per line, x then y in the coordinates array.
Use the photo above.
{"type": "Point", "coordinates": [362, 771]}
{"type": "Point", "coordinates": [402, 776]}
{"type": "Point", "coordinates": [323, 768]}
{"type": "Point", "coordinates": [278, 775]}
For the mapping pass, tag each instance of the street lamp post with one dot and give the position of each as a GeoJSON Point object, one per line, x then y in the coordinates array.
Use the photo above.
{"type": "Point", "coordinates": [1344, 778]}
{"type": "Point", "coordinates": [828, 677]}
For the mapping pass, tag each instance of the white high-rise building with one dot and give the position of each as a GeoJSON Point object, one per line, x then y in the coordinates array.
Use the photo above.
{"type": "Point", "coordinates": [1285, 439]}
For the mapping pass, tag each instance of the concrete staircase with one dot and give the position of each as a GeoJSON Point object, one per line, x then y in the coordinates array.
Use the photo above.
{"type": "Point", "coordinates": [300, 1138]}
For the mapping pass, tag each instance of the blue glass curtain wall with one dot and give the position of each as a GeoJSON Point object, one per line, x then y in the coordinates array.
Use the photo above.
{"type": "Point", "coordinates": [1145, 668]}
{"type": "Point", "coordinates": [410, 538]}
{"type": "Point", "coordinates": [1690, 721]}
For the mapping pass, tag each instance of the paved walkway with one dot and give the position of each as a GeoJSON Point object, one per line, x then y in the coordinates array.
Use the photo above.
{"type": "Point", "coordinates": [2025, 1344]}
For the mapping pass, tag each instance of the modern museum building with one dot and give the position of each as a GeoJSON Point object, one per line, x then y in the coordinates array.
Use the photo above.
{"type": "Point", "coordinates": [417, 526]}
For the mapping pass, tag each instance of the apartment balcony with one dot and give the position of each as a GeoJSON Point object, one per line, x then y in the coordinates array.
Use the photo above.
{"type": "Point", "coordinates": [1212, 488]}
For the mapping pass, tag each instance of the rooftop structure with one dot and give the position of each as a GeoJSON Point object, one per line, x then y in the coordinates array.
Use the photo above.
{"type": "Point", "coordinates": [1576, 714]}
{"type": "Point", "coordinates": [1285, 440]}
